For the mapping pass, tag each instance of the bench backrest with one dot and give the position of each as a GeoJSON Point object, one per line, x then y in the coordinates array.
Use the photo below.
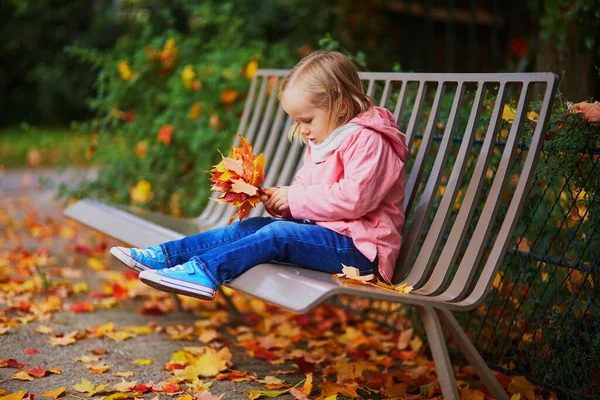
{"type": "Point", "coordinates": [464, 190]}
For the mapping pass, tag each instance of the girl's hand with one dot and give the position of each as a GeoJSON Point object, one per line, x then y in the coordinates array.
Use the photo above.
{"type": "Point", "coordinates": [266, 194]}
{"type": "Point", "coordinates": [277, 199]}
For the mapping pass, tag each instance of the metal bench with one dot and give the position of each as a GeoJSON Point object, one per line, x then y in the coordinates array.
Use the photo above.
{"type": "Point", "coordinates": [464, 193]}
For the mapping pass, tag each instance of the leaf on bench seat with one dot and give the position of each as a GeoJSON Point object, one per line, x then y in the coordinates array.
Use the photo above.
{"type": "Point", "coordinates": [352, 275]}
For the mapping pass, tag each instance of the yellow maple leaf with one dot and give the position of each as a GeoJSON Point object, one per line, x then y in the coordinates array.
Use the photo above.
{"type": "Point", "coordinates": [80, 287]}
{"type": "Point", "coordinates": [210, 363]}
{"type": "Point", "coordinates": [123, 374]}
{"type": "Point", "coordinates": [124, 386]}
{"type": "Point", "coordinates": [140, 330]}
{"type": "Point", "coordinates": [95, 264]}
{"type": "Point", "coordinates": [54, 393]}
{"type": "Point", "coordinates": [44, 330]}
{"type": "Point", "coordinates": [87, 359]}
{"type": "Point", "coordinates": [14, 396]}
{"type": "Point", "coordinates": [98, 368]}
{"type": "Point", "coordinates": [22, 376]}
{"type": "Point", "coordinates": [88, 387]}
{"type": "Point", "coordinates": [121, 396]}
{"type": "Point", "coordinates": [404, 288]}
{"type": "Point", "coordinates": [520, 385]}
{"type": "Point", "coordinates": [208, 336]}
{"type": "Point", "coordinates": [119, 336]}
{"type": "Point", "coordinates": [143, 361]}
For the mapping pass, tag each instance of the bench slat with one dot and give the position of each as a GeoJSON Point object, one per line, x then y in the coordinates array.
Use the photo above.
{"type": "Point", "coordinates": [142, 230]}
{"type": "Point", "coordinates": [423, 263]}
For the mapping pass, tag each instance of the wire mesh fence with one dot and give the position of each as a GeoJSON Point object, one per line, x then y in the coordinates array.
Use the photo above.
{"type": "Point", "coordinates": [542, 317]}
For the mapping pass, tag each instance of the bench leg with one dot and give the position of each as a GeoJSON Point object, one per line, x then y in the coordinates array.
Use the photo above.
{"type": "Point", "coordinates": [177, 303]}
{"type": "Point", "coordinates": [235, 311]}
{"type": "Point", "coordinates": [475, 359]}
{"type": "Point", "coordinates": [439, 351]}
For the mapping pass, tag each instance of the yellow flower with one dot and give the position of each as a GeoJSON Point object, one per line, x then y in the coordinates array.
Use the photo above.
{"type": "Point", "coordinates": [125, 71]}
{"type": "Point", "coordinates": [533, 116]}
{"type": "Point", "coordinates": [195, 111]}
{"type": "Point", "coordinates": [251, 69]}
{"type": "Point", "coordinates": [142, 192]}
{"type": "Point", "coordinates": [168, 56]}
{"type": "Point", "coordinates": [187, 76]}
{"type": "Point", "coordinates": [228, 96]}
{"type": "Point", "coordinates": [141, 149]}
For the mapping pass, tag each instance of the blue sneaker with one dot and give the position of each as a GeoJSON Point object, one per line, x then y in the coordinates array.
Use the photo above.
{"type": "Point", "coordinates": [140, 259]}
{"type": "Point", "coordinates": [187, 279]}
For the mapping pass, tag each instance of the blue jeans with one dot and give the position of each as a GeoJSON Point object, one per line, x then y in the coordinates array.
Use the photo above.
{"type": "Point", "coordinates": [224, 253]}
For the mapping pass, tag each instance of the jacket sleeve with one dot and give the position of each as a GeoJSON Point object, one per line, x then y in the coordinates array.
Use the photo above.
{"type": "Point", "coordinates": [371, 166]}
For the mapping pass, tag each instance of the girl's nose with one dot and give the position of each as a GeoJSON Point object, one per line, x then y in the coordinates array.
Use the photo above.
{"type": "Point", "coordinates": [305, 130]}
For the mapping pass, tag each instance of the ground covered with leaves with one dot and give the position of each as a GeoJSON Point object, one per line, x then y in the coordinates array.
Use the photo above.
{"type": "Point", "coordinates": [74, 323]}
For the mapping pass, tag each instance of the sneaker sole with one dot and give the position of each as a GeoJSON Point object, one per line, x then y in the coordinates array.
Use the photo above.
{"type": "Point", "coordinates": [179, 287]}
{"type": "Point", "coordinates": [127, 260]}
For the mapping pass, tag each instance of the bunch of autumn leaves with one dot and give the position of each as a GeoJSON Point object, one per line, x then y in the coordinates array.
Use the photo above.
{"type": "Point", "coordinates": [239, 177]}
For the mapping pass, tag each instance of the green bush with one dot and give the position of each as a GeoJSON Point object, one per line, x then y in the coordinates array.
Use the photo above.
{"type": "Point", "coordinates": [174, 99]}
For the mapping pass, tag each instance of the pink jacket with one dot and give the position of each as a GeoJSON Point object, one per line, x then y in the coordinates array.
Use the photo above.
{"type": "Point", "coordinates": [358, 191]}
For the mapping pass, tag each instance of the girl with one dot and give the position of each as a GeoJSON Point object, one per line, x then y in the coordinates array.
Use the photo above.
{"type": "Point", "coordinates": [344, 207]}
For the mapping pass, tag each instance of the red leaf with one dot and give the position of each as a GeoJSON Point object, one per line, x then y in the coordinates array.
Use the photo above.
{"type": "Point", "coordinates": [81, 307]}
{"type": "Point", "coordinates": [304, 366]}
{"type": "Point", "coordinates": [265, 354]}
{"type": "Point", "coordinates": [36, 372]}
{"type": "Point", "coordinates": [30, 351]}
{"type": "Point", "coordinates": [12, 363]}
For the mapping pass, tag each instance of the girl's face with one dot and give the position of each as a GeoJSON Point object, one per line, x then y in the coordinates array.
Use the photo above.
{"type": "Point", "coordinates": [313, 120]}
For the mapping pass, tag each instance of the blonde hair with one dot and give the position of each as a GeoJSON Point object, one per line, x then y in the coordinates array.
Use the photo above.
{"type": "Point", "coordinates": [332, 82]}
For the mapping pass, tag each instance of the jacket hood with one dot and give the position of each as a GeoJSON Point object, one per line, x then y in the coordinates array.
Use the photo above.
{"type": "Point", "coordinates": [382, 120]}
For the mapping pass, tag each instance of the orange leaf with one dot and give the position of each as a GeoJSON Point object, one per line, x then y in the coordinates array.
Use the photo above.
{"type": "Point", "coordinates": [308, 384]}
{"type": "Point", "coordinates": [331, 388]}
{"type": "Point", "coordinates": [233, 165]}
{"type": "Point", "coordinates": [14, 396]}
{"type": "Point", "coordinates": [36, 372]}
{"type": "Point", "coordinates": [241, 186]}
{"type": "Point", "coordinates": [404, 339]}
{"type": "Point", "coordinates": [54, 393]}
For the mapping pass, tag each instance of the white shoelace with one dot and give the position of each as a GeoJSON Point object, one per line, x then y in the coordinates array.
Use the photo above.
{"type": "Point", "coordinates": [147, 252]}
